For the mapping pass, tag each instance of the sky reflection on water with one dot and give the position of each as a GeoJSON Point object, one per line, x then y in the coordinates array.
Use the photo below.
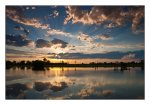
{"type": "Point", "coordinates": [78, 83]}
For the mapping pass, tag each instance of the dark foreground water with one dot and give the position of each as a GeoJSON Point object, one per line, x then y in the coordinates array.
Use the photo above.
{"type": "Point", "coordinates": [74, 83]}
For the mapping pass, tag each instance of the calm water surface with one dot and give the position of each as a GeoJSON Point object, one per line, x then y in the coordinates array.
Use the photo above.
{"type": "Point", "coordinates": [74, 83]}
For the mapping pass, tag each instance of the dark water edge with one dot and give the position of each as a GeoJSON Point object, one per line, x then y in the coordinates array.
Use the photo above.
{"type": "Point", "coordinates": [75, 83]}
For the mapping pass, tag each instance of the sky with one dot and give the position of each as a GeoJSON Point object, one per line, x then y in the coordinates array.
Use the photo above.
{"type": "Point", "coordinates": [75, 33]}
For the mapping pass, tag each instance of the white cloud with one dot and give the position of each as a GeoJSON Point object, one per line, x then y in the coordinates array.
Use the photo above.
{"type": "Point", "coordinates": [128, 57]}
{"type": "Point", "coordinates": [57, 32]}
{"type": "Point", "coordinates": [55, 13]}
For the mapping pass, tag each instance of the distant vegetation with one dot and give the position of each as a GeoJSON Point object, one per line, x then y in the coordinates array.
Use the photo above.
{"type": "Point", "coordinates": [41, 64]}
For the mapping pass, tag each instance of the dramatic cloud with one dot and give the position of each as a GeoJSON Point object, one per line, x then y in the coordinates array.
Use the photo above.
{"type": "Point", "coordinates": [16, 14]}
{"type": "Point", "coordinates": [41, 43]}
{"type": "Point", "coordinates": [86, 30]}
{"type": "Point", "coordinates": [18, 40]}
{"type": "Point", "coordinates": [60, 42]}
{"type": "Point", "coordinates": [76, 15]}
{"type": "Point", "coordinates": [114, 16]}
{"type": "Point", "coordinates": [104, 37]}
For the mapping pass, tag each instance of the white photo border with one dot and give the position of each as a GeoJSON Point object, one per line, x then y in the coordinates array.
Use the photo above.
{"type": "Point", "coordinates": [145, 3]}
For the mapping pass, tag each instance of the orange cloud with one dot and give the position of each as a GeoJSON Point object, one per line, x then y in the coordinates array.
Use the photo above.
{"type": "Point", "coordinates": [114, 15]}
{"type": "Point", "coordinates": [16, 14]}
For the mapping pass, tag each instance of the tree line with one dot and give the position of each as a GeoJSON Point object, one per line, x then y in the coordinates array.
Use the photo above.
{"type": "Point", "coordinates": [40, 64]}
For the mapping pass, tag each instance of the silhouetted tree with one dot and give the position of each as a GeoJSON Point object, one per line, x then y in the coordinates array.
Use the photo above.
{"type": "Point", "coordinates": [14, 62]}
{"type": "Point", "coordinates": [38, 65]}
{"type": "Point", "coordinates": [8, 64]}
{"type": "Point", "coordinates": [22, 63]}
{"type": "Point", "coordinates": [28, 63]}
{"type": "Point", "coordinates": [44, 59]}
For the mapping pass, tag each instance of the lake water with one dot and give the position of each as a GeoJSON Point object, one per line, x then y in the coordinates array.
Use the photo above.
{"type": "Point", "coordinates": [74, 83]}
